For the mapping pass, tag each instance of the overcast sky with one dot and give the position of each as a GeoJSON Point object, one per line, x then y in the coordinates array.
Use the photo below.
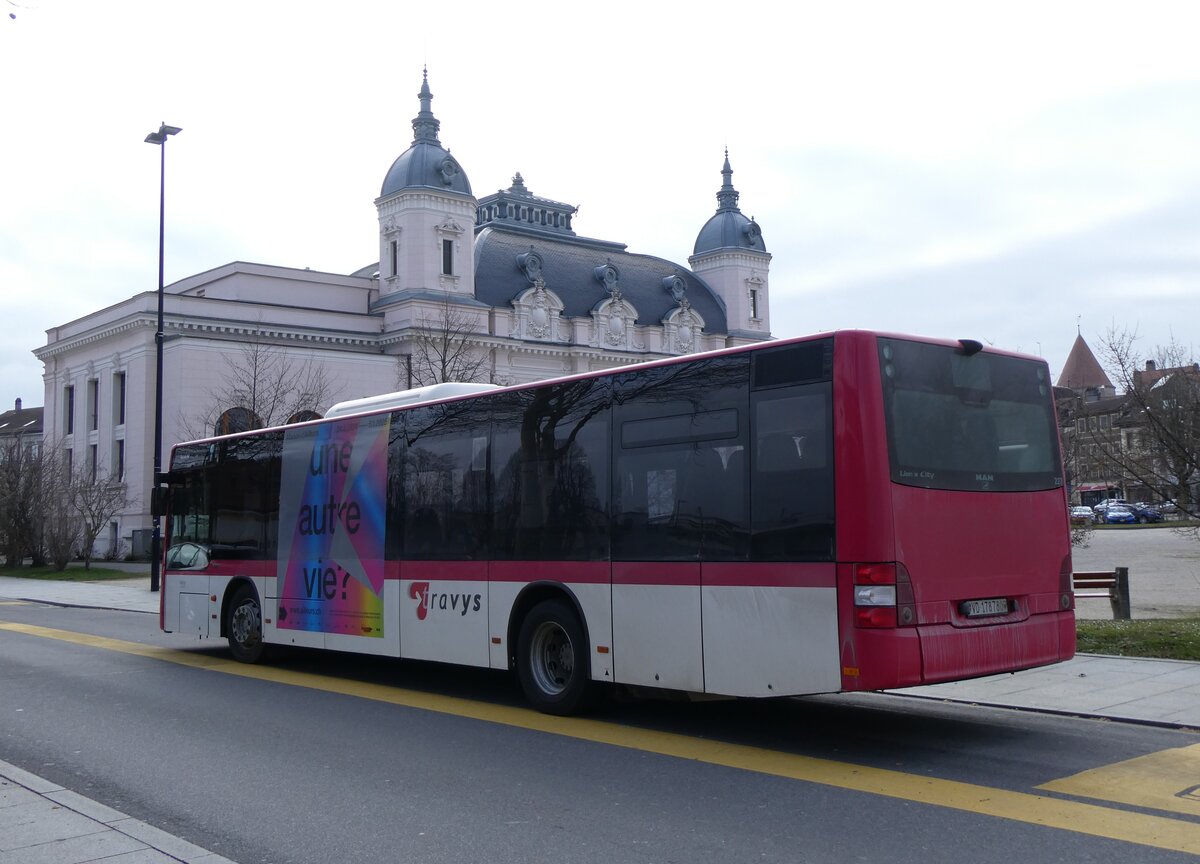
{"type": "Point", "coordinates": [1004, 172]}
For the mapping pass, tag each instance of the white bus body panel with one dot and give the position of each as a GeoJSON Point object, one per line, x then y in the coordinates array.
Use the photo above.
{"type": "Point", "coordinates": [596, 602]}
{"type": "Point", "coordinates": [194, 611]}
{"type": "Point", "coordinates": [770, 641]}
{"type": "Point", "coordinates": [445, 620]}
{"type": "Point", "coordinates": [656, 636]}
{"type": "Point", "coordinates": [186, 605]}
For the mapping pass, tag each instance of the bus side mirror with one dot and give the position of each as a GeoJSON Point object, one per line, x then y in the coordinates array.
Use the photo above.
{"type": "Point", "coordinates": [158, 501]}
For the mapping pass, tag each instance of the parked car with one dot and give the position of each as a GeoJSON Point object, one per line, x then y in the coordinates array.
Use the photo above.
{"type": "Point", "coordinates": [1145, 514]}
{"type": "Point", "coordinates": [1109, 502]}
{"type": "Point", "coordinates": [1118, 515]}
{"type": "Point", "coordinates": [1082, 516]}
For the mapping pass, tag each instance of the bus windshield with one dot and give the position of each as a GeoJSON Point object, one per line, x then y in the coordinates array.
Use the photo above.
{"type": "Point", "coordinates": [976, 422]}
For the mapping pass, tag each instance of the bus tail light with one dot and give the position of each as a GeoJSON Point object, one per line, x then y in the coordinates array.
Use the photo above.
{"type": "Point", "coordinates": [883, 596]}
{"type": "Point", "coordinates": [1066, 591]}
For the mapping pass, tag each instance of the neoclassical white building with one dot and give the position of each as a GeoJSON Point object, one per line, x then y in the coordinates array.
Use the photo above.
{"type": "Point", "coordinates": [528, 297]}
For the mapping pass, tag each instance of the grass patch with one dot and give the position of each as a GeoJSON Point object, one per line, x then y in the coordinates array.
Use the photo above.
{"type": "Point", "coordinates": [1164, 638]}
{"type": "Point", "coordinates": [73, 573]}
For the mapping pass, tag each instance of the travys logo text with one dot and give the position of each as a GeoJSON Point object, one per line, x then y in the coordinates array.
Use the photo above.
{"type": "Point", "coordinates": [442, 601]}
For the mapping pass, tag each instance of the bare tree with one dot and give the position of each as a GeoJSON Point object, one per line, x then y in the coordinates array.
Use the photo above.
{"type": "Point", "coordinates": [59, 528]}
{"type": "Point", "coordinates": [32, 480]}
{"type": "Point", "coordinates": [61, 533]}
{"type": "Point", "coordinates": [95, 497]}
{"type": "Point", "coordinates": [18, 488]}
{"type": "Point", "coordinates": [1160, 447]}
{"type": "Point", "coordinates": [263, 385]}
{"type": "Point", "coordinates": [444, 349]}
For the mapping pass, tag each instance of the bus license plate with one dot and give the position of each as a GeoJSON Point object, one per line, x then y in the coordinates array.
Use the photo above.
{"type": "Point", "coordinates": [982, 608]}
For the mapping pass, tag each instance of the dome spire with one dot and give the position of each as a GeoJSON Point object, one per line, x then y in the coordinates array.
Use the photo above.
{"type": "Point", "coordinates": [425, 125]}
{"type": "Point", "coordinates": [727, 197]}
{"type": "Point", "coordinates": [426, 162]}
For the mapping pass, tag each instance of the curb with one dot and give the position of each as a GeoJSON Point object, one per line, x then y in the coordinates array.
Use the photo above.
{"type": "Point", "coordinates": [43, 601]}
{"type": "Point", "coordinates": [1053, 712]}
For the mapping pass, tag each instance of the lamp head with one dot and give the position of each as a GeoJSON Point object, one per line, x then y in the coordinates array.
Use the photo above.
{"type": "Point", "coordinates": [160, 137]}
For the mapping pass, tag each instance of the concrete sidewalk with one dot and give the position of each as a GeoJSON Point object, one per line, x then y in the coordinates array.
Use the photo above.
{"type": "Point", "coordinates": [43, 823]}
{"type": "Point", "coordinates": [1133, 689]}
{"type": "Point", "coordinates": [127, 595]}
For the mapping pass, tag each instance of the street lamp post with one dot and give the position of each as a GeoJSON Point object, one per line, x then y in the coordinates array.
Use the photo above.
{"type": "Point", "coordinates": [159, 138]}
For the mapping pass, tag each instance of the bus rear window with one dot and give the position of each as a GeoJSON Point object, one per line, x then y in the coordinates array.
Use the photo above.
{"type": "Point", "coordinates": [979, 422]}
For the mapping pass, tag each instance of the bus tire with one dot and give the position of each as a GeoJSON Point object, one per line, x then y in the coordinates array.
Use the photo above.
{"type": "Point", "coordinates": [552, 659]}
{"type": "Point", "coordinates": [243, 626]}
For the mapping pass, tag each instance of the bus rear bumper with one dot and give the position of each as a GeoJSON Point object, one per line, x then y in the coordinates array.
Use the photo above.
{"type": "Point", "coordinates": [935, 653]}
{"type": "Point", "coordinates": [950, 653]}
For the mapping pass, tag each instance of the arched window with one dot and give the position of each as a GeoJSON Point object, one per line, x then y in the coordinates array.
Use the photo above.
{"type": "Point", "coordinates": [303, 417]}
{"type": "Point", "coordinates": [237, 420]}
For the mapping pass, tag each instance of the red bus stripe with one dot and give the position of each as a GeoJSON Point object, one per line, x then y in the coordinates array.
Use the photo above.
{"type": "Point", "coordinates": [656, 573]}
{"type": "Point", "coordinates": [444, 571]}
{"type": "Point", "coordinates": [773, 575]}
{"type": "Point", "coordinates": [569, 572]}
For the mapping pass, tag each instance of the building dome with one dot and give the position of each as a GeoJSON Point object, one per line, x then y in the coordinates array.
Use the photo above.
{"type": "Point", "coordinates": [426, 163]}
{"type": "Point", "coordinates": [728, 227]}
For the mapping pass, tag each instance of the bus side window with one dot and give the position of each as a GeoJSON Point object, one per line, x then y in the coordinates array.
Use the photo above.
{"type": "Point", "coordinates": [676, 432]}
{"type": "Point", "coordinates": [792, 482]}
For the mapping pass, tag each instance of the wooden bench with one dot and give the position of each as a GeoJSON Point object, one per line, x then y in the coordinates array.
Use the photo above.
{"type": "Point", "coordinates": [1112, 585]}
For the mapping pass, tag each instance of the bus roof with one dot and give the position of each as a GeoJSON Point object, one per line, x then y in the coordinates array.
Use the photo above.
{"type": "Point", "coordinates": [406, 397]}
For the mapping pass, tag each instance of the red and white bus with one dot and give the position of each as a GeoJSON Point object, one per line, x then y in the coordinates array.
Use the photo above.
{"type": "Point", "coordinates": [848, 511]}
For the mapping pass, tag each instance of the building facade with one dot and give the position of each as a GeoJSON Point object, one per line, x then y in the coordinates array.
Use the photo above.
{"type": "Point", "coordinates": [1139, 445]}
{"type": "Point", "coordinates": [499, 289]}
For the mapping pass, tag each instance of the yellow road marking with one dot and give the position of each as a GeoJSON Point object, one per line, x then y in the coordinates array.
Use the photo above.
{"type": "Point", "coordinates": [1167, 780]}
{"type": "Point", "coordinates": [14, 603]}
{"type": "Point", "coordinates": [1140, 828]}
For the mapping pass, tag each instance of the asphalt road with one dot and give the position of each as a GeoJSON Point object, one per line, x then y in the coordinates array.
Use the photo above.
{"type": "Point", "coordinates": [1164, 569]}
{"type": "Point", "coordinates": [321, 758]}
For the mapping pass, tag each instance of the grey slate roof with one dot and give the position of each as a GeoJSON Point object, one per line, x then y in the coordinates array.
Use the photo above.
{"type": "Point", "coordinates": [22, 422]}
{"type": "Point", "coordinates": [568, 267]}
{"type": "Point", "coordinates": [512, 222]}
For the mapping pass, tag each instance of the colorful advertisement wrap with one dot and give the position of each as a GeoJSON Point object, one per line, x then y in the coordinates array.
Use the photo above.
{"type": "Point", "coordinates": [332, 514]}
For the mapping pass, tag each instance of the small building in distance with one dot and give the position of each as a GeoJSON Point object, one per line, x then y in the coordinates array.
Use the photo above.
{"type": "Point", "coordinates": [1110, 444]}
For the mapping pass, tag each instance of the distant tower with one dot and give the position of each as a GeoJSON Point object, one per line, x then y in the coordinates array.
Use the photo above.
{"type": "Point", "coordinates": [731, 257]}
{"type": "Point", "coordinates": [1084, 374]}
{"type": "Point", "coordinates": [426, 216]}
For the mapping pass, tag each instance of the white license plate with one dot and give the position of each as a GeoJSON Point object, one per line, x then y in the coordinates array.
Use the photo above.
{"type": "Point", "coordinates": [982, 608]}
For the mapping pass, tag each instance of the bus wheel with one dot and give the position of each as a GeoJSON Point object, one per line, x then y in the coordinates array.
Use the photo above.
{"type": "Point", "coordinates": [552, 659]}
{"type": "Point", "coordinates": [243, 626]}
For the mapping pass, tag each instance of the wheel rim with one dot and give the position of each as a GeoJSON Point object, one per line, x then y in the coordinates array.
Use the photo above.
{"type": "Point", "coordinates": [552, 658]}
{"type": "Point", "coordinates": [244, 624]}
